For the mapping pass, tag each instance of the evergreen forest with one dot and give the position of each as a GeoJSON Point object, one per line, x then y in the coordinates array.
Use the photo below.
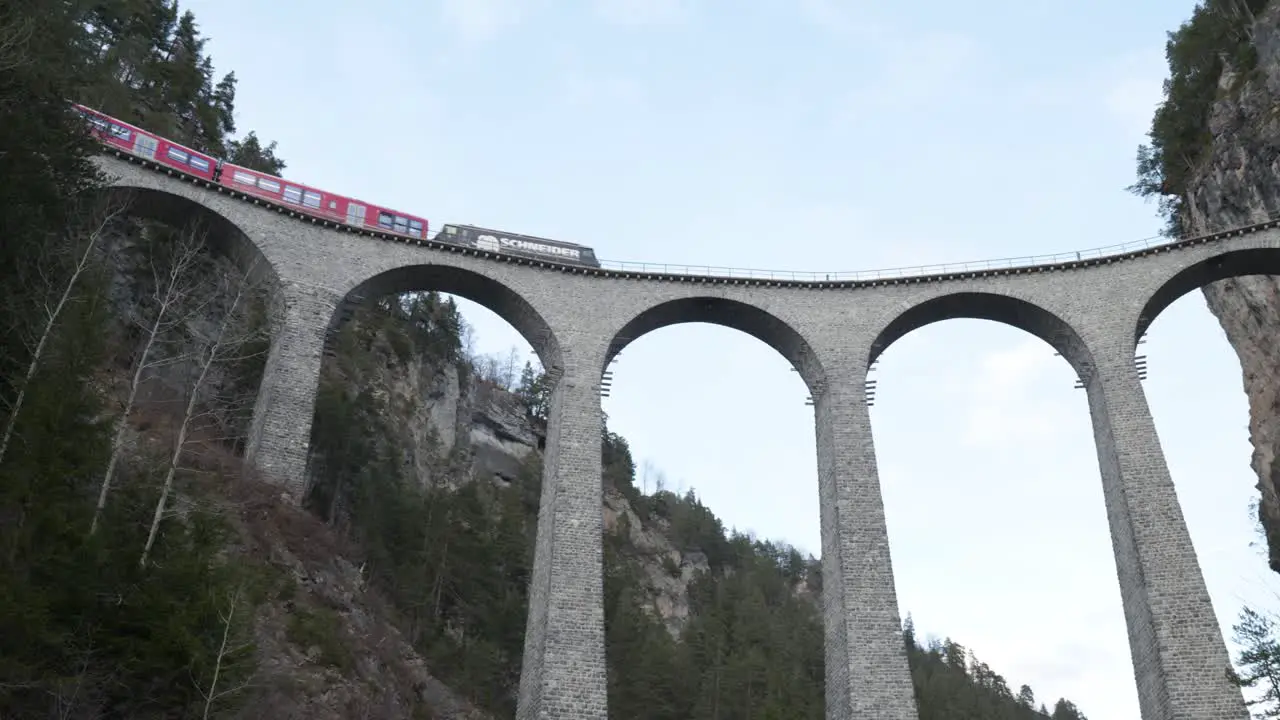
{"type": "Point", "coordinates": [136, 566]}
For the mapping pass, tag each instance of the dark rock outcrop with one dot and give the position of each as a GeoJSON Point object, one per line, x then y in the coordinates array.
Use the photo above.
{"type": "Point", "coordinates": [1238, 183]}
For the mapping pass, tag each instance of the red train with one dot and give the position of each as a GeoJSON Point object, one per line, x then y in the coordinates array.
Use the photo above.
{"type": "Point", "coordinates": [303, 198]}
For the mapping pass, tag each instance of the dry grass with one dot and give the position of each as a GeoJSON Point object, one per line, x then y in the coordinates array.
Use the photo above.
{"type": "Point", "coordinates": [388, 676]}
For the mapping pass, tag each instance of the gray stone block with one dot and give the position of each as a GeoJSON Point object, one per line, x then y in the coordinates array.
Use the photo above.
{"type": "Point", "coordinates": [576, 319]}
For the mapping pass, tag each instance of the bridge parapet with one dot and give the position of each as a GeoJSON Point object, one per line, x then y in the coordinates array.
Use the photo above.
{"type": "Point", "coordinates": [1090, 306]}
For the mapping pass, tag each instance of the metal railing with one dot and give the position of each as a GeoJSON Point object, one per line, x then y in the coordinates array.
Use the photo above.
{"type": "Point", "coordinates": [907, 271]}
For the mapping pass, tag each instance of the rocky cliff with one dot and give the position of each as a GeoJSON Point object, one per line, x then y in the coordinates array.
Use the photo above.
{"type": "Point", "coordinates": [398, 402]}
{"type": "Point", "coordinates": [148, 575]}
{"type": "Point", "coordinates": [411, 432]}
{"type": "Point", "coordinates": [399, 590]}
{"type": "Point", "coordinates": [1236, 181]}
{"type": "Point", "coordinates": [462, 420]}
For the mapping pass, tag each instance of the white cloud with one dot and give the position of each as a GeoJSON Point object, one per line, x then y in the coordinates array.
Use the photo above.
{"type": "Point", "coordinates": [847, 18]}
{"type": "Point", "coordinates": [1003, 410]}
{"type": "Point", "coordinates": [919, 72]}
{"type": "Point", "coordinates": [480, 20]}
{"type": "Point", "coordinates": [923, 68]}
{"type": "Point", "coordinates": [1125, 89]}
{"type": "Point", "coordinates": [643, 12]}
{"type": "Point", "coordinates": [1135, 90]}
{"type": "Point", "coordinates": [595, 91]}
{"type": "Point", "coordinates": [1014, 368]}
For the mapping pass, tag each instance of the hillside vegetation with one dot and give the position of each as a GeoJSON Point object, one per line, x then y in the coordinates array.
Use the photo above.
{"type": "Point", "coordinates": [145, 576]}
{"type": "Point", "coordinates": [1218, 36]}
{"type": "Point", "coordinates": [456, 562]}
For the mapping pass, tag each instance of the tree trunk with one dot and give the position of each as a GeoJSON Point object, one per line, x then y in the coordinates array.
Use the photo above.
{"type": "Point", "coordinates": [52, 319]}
{"type": "Point", "coordinates": [186, 253]}
{"type": "Point", "coordinates": [210, 358]}
{"type": "Point", "coordinates": [117, 444]}
{"type": "Point", "coordinates": [177, 455]}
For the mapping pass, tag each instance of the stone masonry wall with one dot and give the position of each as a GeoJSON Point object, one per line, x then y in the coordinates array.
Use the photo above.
{"type": "Point", "coordinates": [1092, 311]}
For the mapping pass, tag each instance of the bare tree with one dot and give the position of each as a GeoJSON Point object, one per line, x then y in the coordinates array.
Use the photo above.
{"type": "Point", "coordinates": [468, 336]}
{"type": "Point", "coordinates": [15, 33]}
{"type": "Point", "coordinates": [66, 692]}
{"type": "Point", "coordinates": [78, 243]}
{"type": "Point", "coordinates": [168, 308]}
{"type": "Point", "coordinates": [510, 368]}
{"type": "Point", "coordinates": [489, 369]}
{"type": "Point", "coordinates": [1239, 16]}
{"type": "Point", "coordinates": [225, 652]}
{"type": "Point", "coordinates": [225, 344]}
{"type": "Point", "coordinates": [647, 470]}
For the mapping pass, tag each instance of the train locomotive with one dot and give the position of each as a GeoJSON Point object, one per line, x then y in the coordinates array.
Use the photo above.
{"type": "Point", "coordinates": [319, 203]}
{"type": "Point", "coordinates": [517, 244]}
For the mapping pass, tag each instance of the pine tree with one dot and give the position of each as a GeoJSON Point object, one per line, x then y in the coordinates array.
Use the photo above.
{"type": "Point", "coordinates": [79, 630]}
{"type": "Point", "coordinates": [1259, 660]}
{"type": "Point", "coordinates": [532, 392]}
{"type": "Point", "coordinates": [1066, 710]}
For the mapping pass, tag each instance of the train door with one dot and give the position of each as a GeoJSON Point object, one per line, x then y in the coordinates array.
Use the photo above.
{"type": "Point", "coordinates": [355, 214]}
{"type": "Point", "coordinates": [145, 146]}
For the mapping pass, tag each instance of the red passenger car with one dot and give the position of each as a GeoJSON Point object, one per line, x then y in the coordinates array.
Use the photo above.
{"type": "Point", "coordinates": [134, 140]}
{"type": "Point", "coordinates": [320, 203]}
{"type": "Point", "coordinates": [305, 199]}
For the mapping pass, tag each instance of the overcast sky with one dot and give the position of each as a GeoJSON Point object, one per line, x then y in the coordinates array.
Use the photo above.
{"type": "Point", "coordinates": [810, 135]}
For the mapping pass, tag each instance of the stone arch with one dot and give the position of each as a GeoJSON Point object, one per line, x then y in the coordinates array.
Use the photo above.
{"type": "Point", "coordinates": [507, 303]}
{"type": "Point", "coordinates": [224, 238]}
{"type": "Point", "coordinates": [224, 235]}
{"type": "Point", "coordinates": [734, 314]}
{"type": "Point", "coordinates": [1236, 263]}
{"type": "Point", "coordinates": [1019, 313]}
{"type": "Point", "coordinates": [1217, 267]}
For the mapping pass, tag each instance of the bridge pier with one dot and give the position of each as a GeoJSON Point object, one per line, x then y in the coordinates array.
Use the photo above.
{"type": "Point", "coordinates": [1178, 652]}
{"type": "Point", "coordinates": [283, 413]}
{"type": "Point", "coordinates": [867, 675]}
{"type": "Point", "coordinates": [563, 674]}
{"type": "Point", "coordinates": [1180, 660]}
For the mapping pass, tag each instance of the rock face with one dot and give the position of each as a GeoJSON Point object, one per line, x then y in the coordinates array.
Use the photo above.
{"type": "Point", "coordinates": [456, 427]}
{"type": "Point", "coordinates": [499, 432]}
{"type": "Point", "coordinates": [327, 647]}
{"type": "Point", "coordinates": [668, 570]}
{"type": "Point", "coordinates": [445, 415]}
{"type": "Point", "coordinates": [1237, 184]}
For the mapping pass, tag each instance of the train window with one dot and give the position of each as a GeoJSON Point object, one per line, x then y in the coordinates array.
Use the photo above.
{"type": "Point", "coordinates": [121, 132]}
{"type": "Point", "coordinates": [146, 146]}
{"type": "Point", "coordinates": [293, 194]}
{"type": "Point", "coordinates": [386, 220]}
{"type": "Point", "coordinates": [402, 224]}
{"type": "Point", "coordinates": [311, 199]}
{"type": "Point", "coordinates": [199, 163]}
{"type": "Point", "coordinates": [415, 228]}
{"type": "Point", "coordinates": [269, 185]}
{"type": "Point", "coordinates": [245, 178]}
{"type": "Point", "coordinates": [176, 154]}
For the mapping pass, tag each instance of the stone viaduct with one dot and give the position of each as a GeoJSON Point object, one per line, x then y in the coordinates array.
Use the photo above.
{"type": "Point", "coordinates": [1091, 311]}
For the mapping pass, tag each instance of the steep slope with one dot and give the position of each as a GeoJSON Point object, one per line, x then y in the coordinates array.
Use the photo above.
{"type": "Point", "coordinates": [228, 612]}
{"type": "Point", "coordinates": [433, 465]}
{"type": "Point", "coordinates": [182, 589]}
{"type": "Point", "coordinates": [1215, 161]}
